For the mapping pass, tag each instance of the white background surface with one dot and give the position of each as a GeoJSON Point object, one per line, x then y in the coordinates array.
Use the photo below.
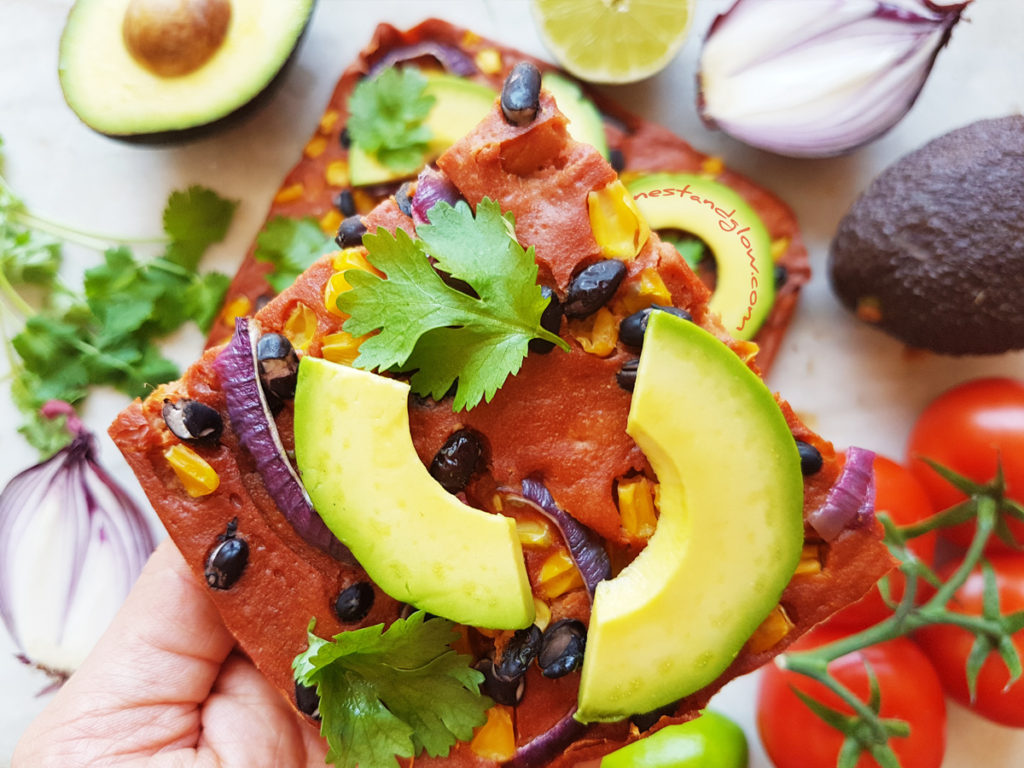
{"type": "Point", "coordinates": [853, 384]}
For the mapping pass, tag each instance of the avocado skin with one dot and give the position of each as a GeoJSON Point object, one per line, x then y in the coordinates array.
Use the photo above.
{"type": "Point", "coordinates": [936, 244]}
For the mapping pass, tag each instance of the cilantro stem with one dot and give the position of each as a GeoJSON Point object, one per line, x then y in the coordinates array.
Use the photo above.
{"type": "Point", "coordinates": [91, 240]}
{"type": "Point", "coordinates": [14, 297]}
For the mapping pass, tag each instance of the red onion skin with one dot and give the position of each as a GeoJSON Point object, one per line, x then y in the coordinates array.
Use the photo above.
{"type": "Point", "coordinates": [448, 56]}
{"type": "Point", "coordinates": [253, 423]}
{"type": "Point", "coordinates": [551, 744]}
{"type": "Point", "coordinates": [432, 187]}
{"type": "Point", "coordinates": [850, 502]}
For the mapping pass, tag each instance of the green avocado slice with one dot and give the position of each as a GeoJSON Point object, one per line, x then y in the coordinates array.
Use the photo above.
{"type": "Point", "coordinates": [728, 538]}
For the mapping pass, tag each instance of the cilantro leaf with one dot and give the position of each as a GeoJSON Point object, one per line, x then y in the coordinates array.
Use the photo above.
{"type": "Point", "coordinates": [442, 333]}
{"type": "Point", "coordinates": [386, 117]}
{"type": "Point", "coordinates": [692, 249]}
{"type": "Point", "coordinates": [195, 219]}
{"type": "Point", "coordinates": [203, 298]}
{"type": "Point", "coordinates": [291, 246]}
{"type": "Point", "coordinates": [392, 693]}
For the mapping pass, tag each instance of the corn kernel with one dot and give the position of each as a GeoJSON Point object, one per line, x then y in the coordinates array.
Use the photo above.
{"type": "Point", "coordinates": [779, 246]}
{"type": "Point", "coordinates": [365, 202]}
{"type": "Point", "coordinates": [617, 224]}
{"type": "Point", "coordinates": [300, 327]}
{"type": "Point", "coordinates": [775, 627]}
{"type": "Point", "coordinates": [330, 221]}
{"type": "Point", "coordinates": [341, 347]}
{"type": "Point", "coordinates": [336, 173]}
{"type": "Point", "coordinates": [533, 533]}
{"type": "Point", "coordinates": [558, 575]}
{"type": "Point", "coordinates": [470, 39]}
{"type": "Point", "coordinates": [597, 334]}
{"type": "Point", "coordinates": [198, 477]}
{"type": "Point", "coordinates": [329, 120]}
{"type": "Point", "coordinates": [712, 166]}
{"type": "Point", "coordinates": [353, 258]}
{"type": "Point", "coordinates": [289, 194]}
{"type": "Point", "coordinates": [648, 288]}
{"type": "Point", "coordinates": [746, 350]}
{"type": "Point", "coordinates": [240, 306]}
{"type": "Point", "coordinates": [810, 560]}
{"type": "Point", "coordinates": [541, 614]}
{"type": "Point", "coordinates": [636, 506]}
{"type": "Point", "coordinates": [336, 285]}
{"type": "Point", "coordinates": [488, 60]}
{"type": "Point", "coordinates": [316, 147]}
{"type": "Point", "coordinates": [496, 739]}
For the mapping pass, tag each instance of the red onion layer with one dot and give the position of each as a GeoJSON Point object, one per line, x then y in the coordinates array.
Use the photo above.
{"type": "Point", "coordinates": [549, 745]}
{"type": "Point", "coordinates": [432, 187]}
{"type": "Point", "coordinates": [850, 503]}
{"type": "Point", "coordinates": [448, 56]}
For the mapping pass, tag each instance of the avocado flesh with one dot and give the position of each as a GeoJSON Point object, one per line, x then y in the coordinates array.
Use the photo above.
{"type": "Point", "coordinates": [729, 534]}
{"type": "Point", "coordinates": [585, 123]}
{"type": "Point", "coordinates": [416, 541]}
{"type": "Point", "coordinates": [115, 95]}
{"type": "Point", "coordinates": [745, 286]}
{"type": "Point", "coordinates": [459, 106]}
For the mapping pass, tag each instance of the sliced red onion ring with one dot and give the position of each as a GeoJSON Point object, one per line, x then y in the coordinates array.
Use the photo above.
{"type": "Point", "coordinates": [432, 187]}
{"type": "Point", "coordinates": [448, 56]}
{"type": "Point", "coordinates": [252, 421]}
{"type": "Point", "coordinates": [584, 545]}
{"type": "Point", "coordinates": [550, 744]}
{"type": "Point", "coordinates": [818, 79]}
{"type": "Point", "coordinates": [850, 503]}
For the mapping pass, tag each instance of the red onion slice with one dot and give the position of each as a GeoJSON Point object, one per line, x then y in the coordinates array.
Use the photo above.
{"type": "Point", "coordinates": [850, 503]}
{"type": "Point", "coordinates": [432, 187]}
{"type": "Point", "coordinates": [448, 56]}
{"type": "Point", "coordinates": [550, 744]}
{"type": "Point", "coordinates": [818, 79]}
{"type": "Point", "coordinates": [254, 424]}
{"type": "Point", "coordinates": [584, 545]}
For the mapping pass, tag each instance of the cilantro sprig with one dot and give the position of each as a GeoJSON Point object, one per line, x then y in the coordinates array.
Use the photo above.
{"type": "Point", "coordinates": [290, 246]}
{"type": "Point", "coordinates": [387, 115]}
{"type": "Point", "coordinates": [392, 693]}
{"type": "Point", "coordinates": [61, 341]}
{"type": "Point", "coordinates": [441, 333]}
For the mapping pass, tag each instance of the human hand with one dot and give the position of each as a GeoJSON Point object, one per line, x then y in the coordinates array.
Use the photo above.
{"type": "Point", "coordinates": [165, 687]}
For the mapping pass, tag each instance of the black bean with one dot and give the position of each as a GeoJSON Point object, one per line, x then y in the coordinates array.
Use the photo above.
{"type": "Point", "coordinates": [633, 328]}
{"type": "Point", "coordinates": [810, 458]}
{"type": "Point", "coordinates": [507, 692]}
{"type": "Point", "coordinates": [454, 464]}
{"type": "Point", "coordinates": [228, 559]}
{"type": "Point", "coordinates": [550, 320]}
{"type": "Point", "coordinates": [617, 160]}
{"type": "Point", "coordinates": [345, 203]}
{"type": "Point", "coordinates": [404, 199]}
{"type": "Point", "coordinates": [593, 287]}
{"type": "Point", "coordinates": [278, 365]}
{"type": "Point", "coordinates": [345, 138]}
{"type": "Point", "coordinates": [192, 421]}
{"type": "Point", "coordinates": [781, 275]}
{"type": "Point", "coordinates": [262, 300]}
{"type": "Point", "coordinates": [519, 653]}
{"type": "Point", "coordinates": [520, 95]}
{"type": "Point", "coordinates": [561, 649]}
{"type": "Point", "coordinates": [350, 232]}
{"type": "Point", "coordinates": [306, 700]}
{"type": "Point", "coordinates": [626, 377]}
{"type": "Point", "coordinates": [354, 602]}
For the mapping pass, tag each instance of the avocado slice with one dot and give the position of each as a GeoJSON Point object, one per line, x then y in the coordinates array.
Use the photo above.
{"type": "Point", "coordinates": [459, 105]}
{"type": "Point", "coordinates": [745, 288]}
{"type": "Point", "coordinates": [418, 542]}
{"type": "Point", "coordinates": [159, 69]}
{"type": "Point", "coordinates": [585, 123]}
{"type": "Point", "coordinates": [729, 534]}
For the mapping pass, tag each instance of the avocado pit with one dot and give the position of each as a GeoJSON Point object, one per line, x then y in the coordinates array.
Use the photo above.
{"type": "Point", "coordinates": [172, 38]}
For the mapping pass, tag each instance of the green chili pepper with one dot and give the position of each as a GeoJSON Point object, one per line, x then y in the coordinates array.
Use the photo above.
{"type": "Point", "coordinates": [710, 741]}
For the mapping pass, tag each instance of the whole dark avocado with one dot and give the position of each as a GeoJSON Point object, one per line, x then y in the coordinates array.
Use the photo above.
{"type": "Point", "coordinates": [167, 70]}
{"type": "Point", "coordinates": [933, 252]}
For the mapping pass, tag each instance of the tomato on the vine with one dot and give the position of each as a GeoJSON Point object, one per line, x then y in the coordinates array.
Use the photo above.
{"type": "Point", "coordinates": [899, 494]}
{"type": "Point", "coordinates": [965, 429]}
{"type": "Point", "coordinates": [948, 647]}
{"type": "Point", "coordinates": [795, 737]}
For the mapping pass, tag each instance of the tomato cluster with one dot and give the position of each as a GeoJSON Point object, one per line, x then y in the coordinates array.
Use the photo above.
{"type": "Point", "coordinates": [970, 430]}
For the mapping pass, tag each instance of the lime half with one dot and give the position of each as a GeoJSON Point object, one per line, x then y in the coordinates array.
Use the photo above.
{"type": "Point", "coordinates": [613, 41]}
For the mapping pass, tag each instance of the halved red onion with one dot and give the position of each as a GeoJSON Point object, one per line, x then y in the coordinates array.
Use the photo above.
{"type": "Point", "coordinates": [451, 58]}
{"type": "Point", "coordinates": [584, 545]}
{"type": "Point", "coordinates": [72, 543]}
{"type": "Point", "coordinates": [551, 744]}
{"type": "Point", "coordinates": [252, 421]}
{"type": "Point", "coordinates": [432, 187]}
{"type": "Point", "coordinates": [850, 503]}
{"type": "Point", "coordinates": [818, 79]}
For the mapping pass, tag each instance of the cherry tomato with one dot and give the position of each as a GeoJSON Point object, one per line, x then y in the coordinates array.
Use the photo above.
{"type": "Point", "coordinates": [964, 429]}
{"type": "Point", "coordinates": [795, 737]}
{"type": "Point", "coordinates": [899, 494]}
{"type": "Point", "coordinates": [948, 646]}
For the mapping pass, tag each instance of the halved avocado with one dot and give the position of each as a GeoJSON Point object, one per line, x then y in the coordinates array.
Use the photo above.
{"type": "Point", "coordinates": [160, 69]}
